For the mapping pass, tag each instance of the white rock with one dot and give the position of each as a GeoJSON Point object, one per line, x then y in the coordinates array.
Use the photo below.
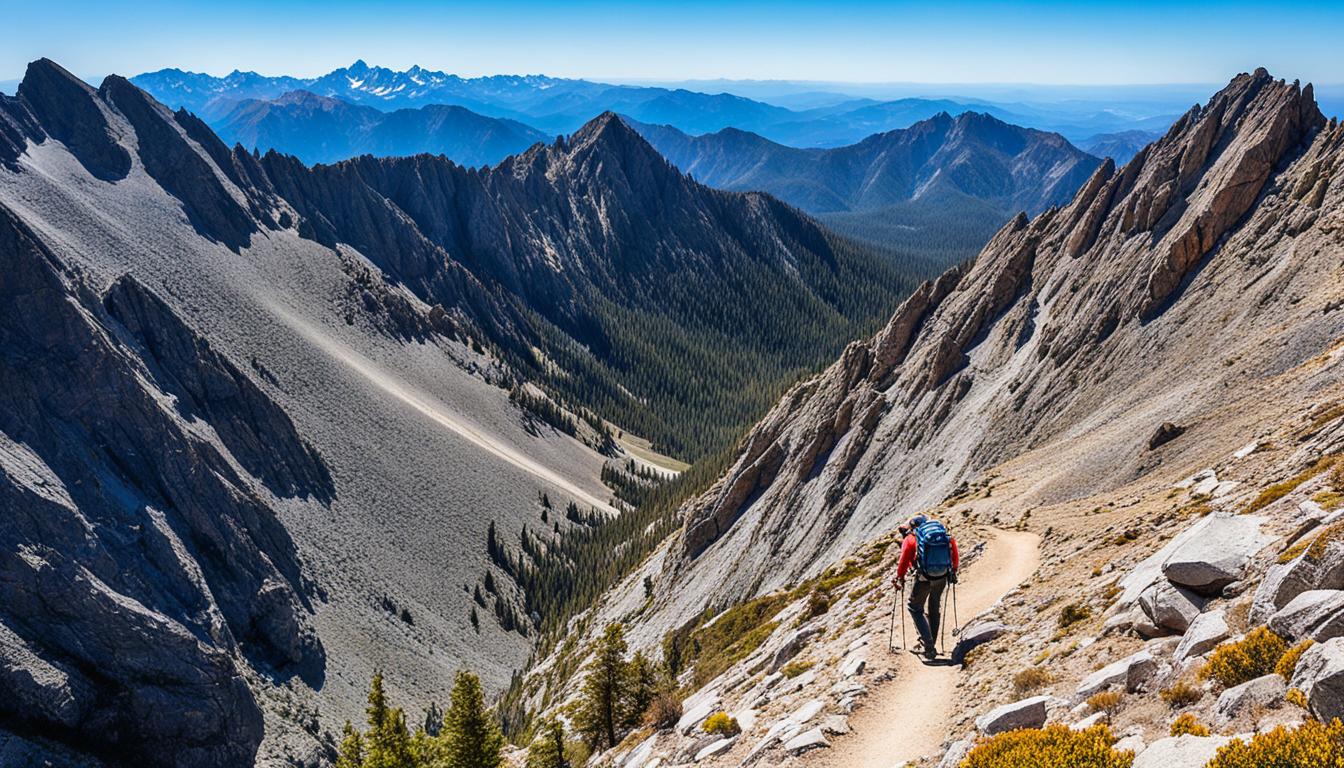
{"type": "Point", "coordinates": [696, 714]}
{"type": "Point", "coordinates": [1093, 719]}
{"type": "Point", "coordinates": [1131, 743]}
{"type": "Point", "coordinates": [639, 757]}
{"type": "Point", "coordinates": [1218, 554]}
{"type": "Point", "coordinates": [806, 740]}
{"type": "Point", "coordinates": [957, 752]}
{"type": "Point", "coordinates": [1246, 450]}
{"type": "Point", "coordinates": [835, 724]}
{"type": "Point", "coordinates": [1180, 752]}
{"type": "Point", "coordinates": [720, 746]}
{"type": "Point", "coordinates": [1205, 632]}
{"type": "Point", "coordinates": [807, 711]}
{"type": "Point", "coordinates": [1027, 713]}
{"type": "Point", "coordinates": [854, 663]}
{"type": "Point", "coordinates": [1205, 485]}
{"type": "Point", "coordinates": [746, 719]}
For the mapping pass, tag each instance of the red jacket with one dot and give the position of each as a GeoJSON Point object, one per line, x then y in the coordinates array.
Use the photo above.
{"type": "Point", "coordinates": [910, 546]}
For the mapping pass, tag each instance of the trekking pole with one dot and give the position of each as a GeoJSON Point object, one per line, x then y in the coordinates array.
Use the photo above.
{"type": "Point", "coordinates": [956, 629]}
{"type": "Point", "coordinates": [891, 626]}
{"type": "Point", "coordinates": [942, 625]}
{"type": "Point", "coordinates": [902, 615]}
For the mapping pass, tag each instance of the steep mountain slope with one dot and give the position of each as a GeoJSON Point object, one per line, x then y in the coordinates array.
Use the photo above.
{"type": "Point", "coordinates": [319, 129]}
{"type": "Point", "coordinates": [942, 181]}
{"type": "Point", "coordinates": [1097, 317]}
{"type": "Point", "coordinates": [254, 437]}
{"type": "Point", "coordinates": [1063, 382]}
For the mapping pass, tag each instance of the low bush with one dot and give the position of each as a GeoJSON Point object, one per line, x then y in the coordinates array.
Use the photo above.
{"type": "Point", "coordinates": [1055, 746]}
{"type": "Point", "coordinates": [795, 668]}
{"type": "Point", "coordinates": [1288, 663]}
{"type": "Point", "coordinates": [1106, 701]}
{"type": "Point", "coordinates": [1311, 745]}
{"type": "Point", "coordinates": [1255, 655]}
{"type": "Point", "coordinates": [1297, 697]}
{"type": "Point", "coordinates": [1031, 679]}
{"type": "Point", "coordinates": [664, 711]}
{"type": "Point", "coordinates": [1188, 725]}
{"type": "Point", "coordinates": [1072, 614]}
{"type": "Point", "coordinates": [1182, 693]}
{"type": "Point", "coordinates": [722, 724]}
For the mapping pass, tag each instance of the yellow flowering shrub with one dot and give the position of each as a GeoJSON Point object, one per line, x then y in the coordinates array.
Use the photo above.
{"type": "Point", "coordinates": [1297, 697]}
{"type": "Point", "coordinates": [1311, 745]}
{"type": "Point", "coordinates": [1188, 725]}
{"type": "Point", "coordinates": [1289, 661]}
{"type": "Point", "coordinates": [1255, 655]}
{"type": "Point", "coordinates": [1054, 746]}
{"type": "Point", "coordinates": [722, 724]}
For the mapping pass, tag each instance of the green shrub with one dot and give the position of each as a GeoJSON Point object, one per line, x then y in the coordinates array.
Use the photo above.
{"type": "Point", "coordinates": [1255, 655]}
{"type": "Point", "coordinates": [1055, 746]}
{"type": "Point", "coordinates": [795, 668]}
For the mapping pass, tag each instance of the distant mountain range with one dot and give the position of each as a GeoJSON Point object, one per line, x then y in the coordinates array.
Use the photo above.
{"type": "Point", "coordinates": [1120, 147]}
{"type": "Point", "coordinates": [322, 129]}
{"type": "Point", "coordinates": [945, 182]}
{"type": "Point", "coordinates": [561, 106]}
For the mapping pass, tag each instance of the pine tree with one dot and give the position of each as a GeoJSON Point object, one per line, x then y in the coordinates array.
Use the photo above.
{"type": "Point", "coordinates": [600, 712]}
{"type": "Point", "coordinates": [643, 686]}
{"type": "Point", "coordinates": [548, 748]}
{"type": "Point", "coordinates": [471, 737]}
{"type": "Point", "coordinates": [351, 754]}
{"type": "Point", "coordinates": [387, 743]}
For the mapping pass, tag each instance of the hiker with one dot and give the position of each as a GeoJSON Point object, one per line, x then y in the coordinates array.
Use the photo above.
{"type": "Point", "coordinates": [931, 550]}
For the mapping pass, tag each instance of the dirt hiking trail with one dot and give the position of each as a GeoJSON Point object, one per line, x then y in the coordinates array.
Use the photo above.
{"type": "Point", "coordinates": [908, 717]}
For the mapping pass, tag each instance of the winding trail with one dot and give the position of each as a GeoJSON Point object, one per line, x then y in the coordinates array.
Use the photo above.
{"type": "Point", "coordinates": [909, 717]}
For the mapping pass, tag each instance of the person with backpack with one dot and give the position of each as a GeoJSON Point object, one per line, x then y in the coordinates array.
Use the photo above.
{"type": "Point", "coordinates": [932, 552]}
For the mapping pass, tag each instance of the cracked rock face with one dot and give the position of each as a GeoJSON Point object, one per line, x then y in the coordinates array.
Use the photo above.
{"type": "Point", "coordinates": [1097, 320]}
{"type": "Point", "coordinates": [137, 565]}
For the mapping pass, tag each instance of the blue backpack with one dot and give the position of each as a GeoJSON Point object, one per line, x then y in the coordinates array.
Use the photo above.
{"type": "Point", "coordinates": [933, 553]}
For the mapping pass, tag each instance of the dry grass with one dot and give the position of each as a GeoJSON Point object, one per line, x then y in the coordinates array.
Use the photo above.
{"type": "Point", "coordinates": [1073, 613]}
{"type": "Point", "coordinates": [1182, 693]}
{"type": "Point", "coordinates": [1278, 490]}
{"type": "Point", "coordinates": [1106, 701]}
{"type": "Point", "coordinates": [1031, 679]}
{"type": "Point", "coordinates": [795, 668]}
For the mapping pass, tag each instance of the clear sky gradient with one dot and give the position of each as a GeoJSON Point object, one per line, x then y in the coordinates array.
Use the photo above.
{"type": "Point", "coordinates": [1032, 42]}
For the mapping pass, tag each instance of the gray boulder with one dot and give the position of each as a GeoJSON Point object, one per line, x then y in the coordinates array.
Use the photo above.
{"type": "Point", "coordinates": [1131, 673]}
{"type": "Point", "coordinates": [1171, 607]}
{"type": "Point", "coordinates": [1283, 582]}
{"type": "Point", "coordinates": [976, 635]}
{"type": "Point", "coordinates": [1267, 691]}
{"type": "Point", "coordinates": [1180, 752]}
{"type": "Point", "coordinates": [957, 752]}
{"type": "Point", "coordinates": [1027, 713]}
{"type": "Point", "coordinates": [1320, 675]}
{"type": "Point", "coordinates": [1203, 635]}
{"type": "Point", "coordinates": [1316, 613]}
{"type": "Point", "coordinates": [1217, 555]}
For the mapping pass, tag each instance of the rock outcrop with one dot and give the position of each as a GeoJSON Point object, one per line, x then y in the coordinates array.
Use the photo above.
{"type": "Point", "coordinates": [136, 564]}
{"type": "Point", "coordinates": [1065, 325]}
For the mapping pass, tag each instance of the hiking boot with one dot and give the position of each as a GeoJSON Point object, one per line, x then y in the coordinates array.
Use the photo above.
{"type": "Point", "coordinates": [931, 653]}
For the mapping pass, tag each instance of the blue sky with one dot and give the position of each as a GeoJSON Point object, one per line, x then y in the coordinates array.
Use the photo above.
{"type": "Point", "coordinates": [1031, 42]}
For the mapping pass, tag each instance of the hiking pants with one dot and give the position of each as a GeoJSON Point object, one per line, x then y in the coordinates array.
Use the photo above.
{"type": "Point", "coordinates": [930, 593]}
